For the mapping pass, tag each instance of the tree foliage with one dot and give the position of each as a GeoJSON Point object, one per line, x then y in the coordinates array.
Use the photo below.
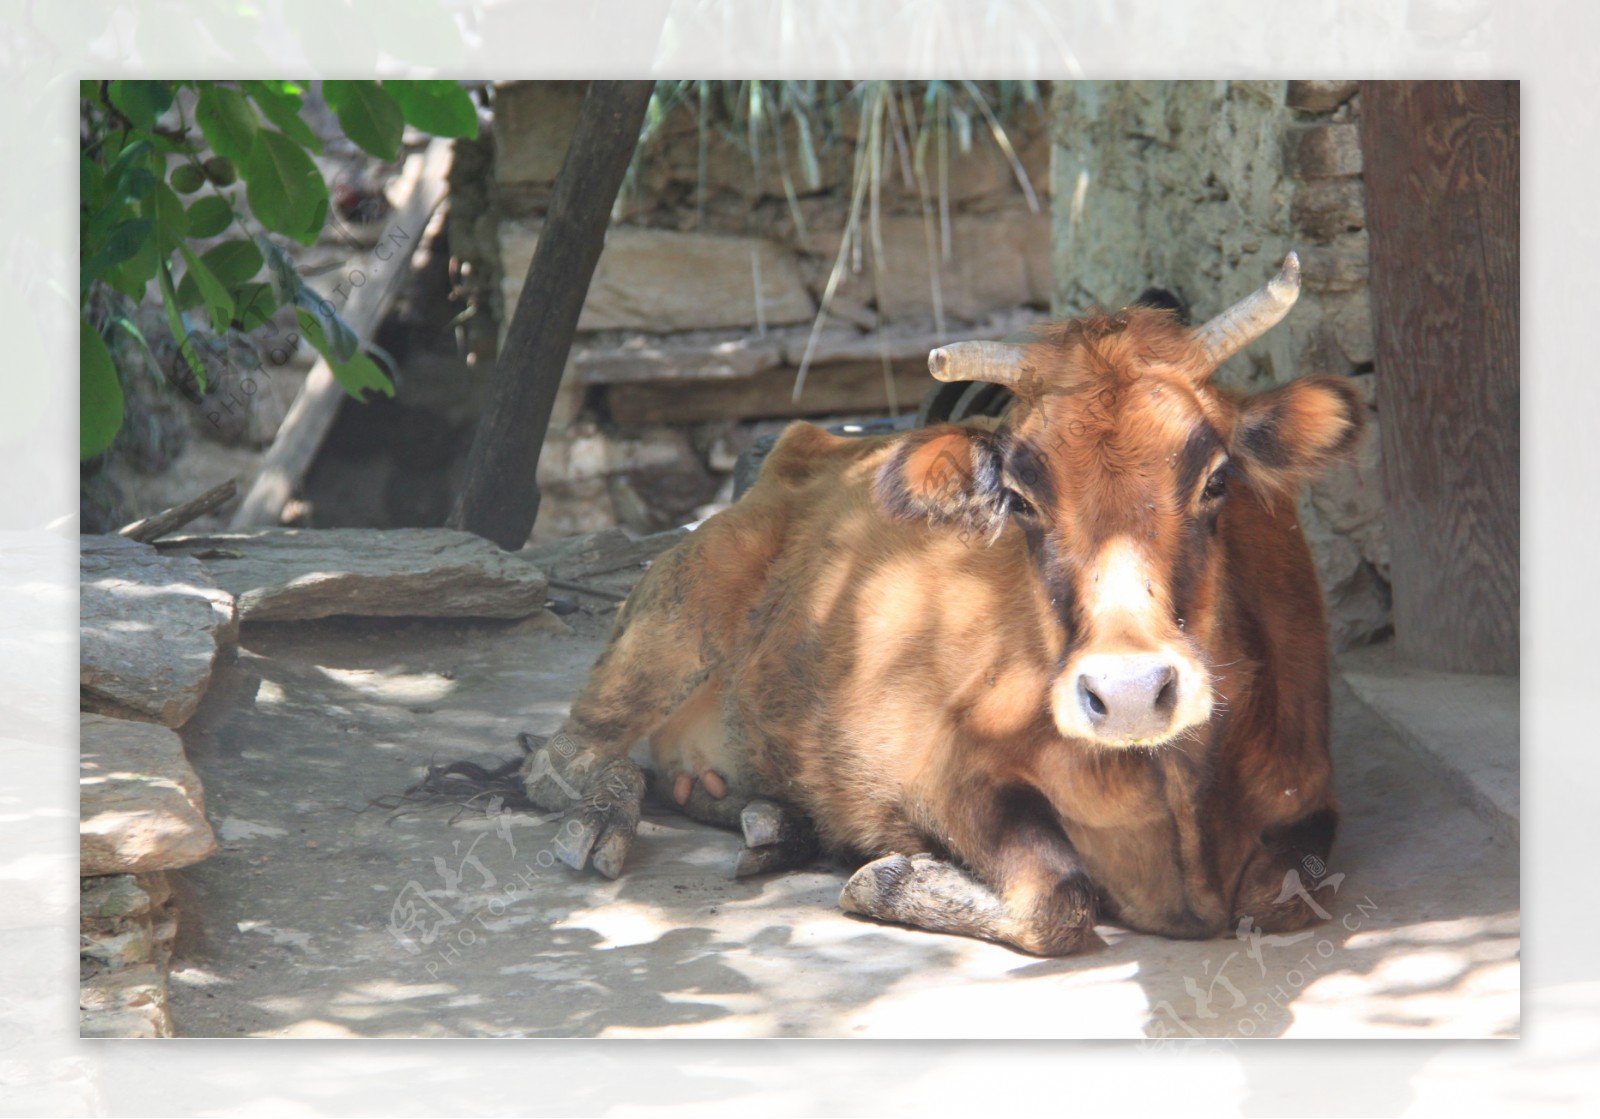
{"type": "Point", "coordinates": [166, 167]}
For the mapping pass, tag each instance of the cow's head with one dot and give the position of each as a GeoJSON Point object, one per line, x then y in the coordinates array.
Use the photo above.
{"type": "Point", "coordinates": [1118, 463]}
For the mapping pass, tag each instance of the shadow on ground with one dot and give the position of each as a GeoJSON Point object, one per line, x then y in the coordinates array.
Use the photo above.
{"type": "Point", "coordinates": [323, 915]}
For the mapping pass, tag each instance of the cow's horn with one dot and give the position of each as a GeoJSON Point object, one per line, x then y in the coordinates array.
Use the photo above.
{"type": "Point", "coordinates": [998, 362]}
{"type": "Point", "coordinates": [1252, 316]}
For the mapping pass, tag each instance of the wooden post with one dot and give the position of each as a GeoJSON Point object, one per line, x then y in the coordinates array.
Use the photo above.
{"type": "Point", "coordinates": [1441, 165]}
{"type": "Point", "coordinates": [499, 498]}
{"type": "Point", "coordinates": [299, 438]}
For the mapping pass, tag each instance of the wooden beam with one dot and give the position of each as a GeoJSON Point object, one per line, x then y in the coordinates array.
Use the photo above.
{"type": "Point", "coordinates": [1441, 164]}
{"type": "Point", "coordinates": [420, 189]}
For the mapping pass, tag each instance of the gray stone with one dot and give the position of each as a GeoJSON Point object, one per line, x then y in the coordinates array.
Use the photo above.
{"type": "Point", "coordinates": [131, 1002]}
{"type": "Point", "coordinates": [1326, 208]}
{"type": "Point", "coordinates": [1326, 151]}
{"type": "Point", "coordinates": [151, 627]}
{"type": "Point", "coordinates": [664, 280]}
{"type": "Point", "coordinates": [1341, 267]}
{"type": "Point", "coordinates": [533, 124]}
{"type": "Point", "coordinates": [140, 804]}
{"type": "Point", "coordinates": [1319, 97]}
{"type": "Point", "coordinates": [1350, 494]}
{"type": "Point", "coordinates": [1351, 315]}
{"type": "Point", "coordinates": [112, 897]}
{"type": "Point", "coordinates": [296, 574]}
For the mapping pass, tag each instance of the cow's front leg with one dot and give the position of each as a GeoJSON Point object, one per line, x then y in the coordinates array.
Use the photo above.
{"type": "Point", "coordinates": [1027, 887]}
{"type": "Point", "coordinates": [651, 665]}
{"type": "Point", "coordinates": [1285, 884]}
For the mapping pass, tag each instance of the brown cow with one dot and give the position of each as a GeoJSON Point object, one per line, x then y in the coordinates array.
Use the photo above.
{"type": "Point", "coordinates": [1068, 664]}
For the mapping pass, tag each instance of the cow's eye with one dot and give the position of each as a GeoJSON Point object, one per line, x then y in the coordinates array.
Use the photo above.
{"type": "Point", "coordinates": [1017, 505]}
{"type": "Point", "coordinates": [1216, 485]}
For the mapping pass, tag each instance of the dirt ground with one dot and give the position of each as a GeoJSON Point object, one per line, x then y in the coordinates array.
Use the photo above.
{"type": "Point", "coordinates": [323, 915]}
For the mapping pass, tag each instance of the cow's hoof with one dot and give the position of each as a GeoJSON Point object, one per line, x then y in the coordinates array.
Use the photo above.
{"type": "Point", "coordinates": [878, 888]}
{"type": "Point", "coordinates": [599, 831]}
{"type": "Point", "coordinates": [775, 838]}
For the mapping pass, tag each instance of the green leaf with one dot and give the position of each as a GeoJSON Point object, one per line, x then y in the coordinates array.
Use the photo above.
{"type": "Point", "coordinates": [99, 393]}
{"type": "Point", "coordinates": [286, 282]}
{"type": "Point", "coordinates": [219, 304]}
{"type": "Point", "coordinates": [209, 216]}
{"type": "Point", "coordinates": [442, 108]}
{"type": "Point", "coordinates": [123, 243]}
{"type": "Point", "coordinates": [326, 329]}
{"type": "Point", "coordinates": [126, 325]}
{"type": "Point", "coordinates": [166, 211]}
{"type": "Point", "coordinates": [285, 189]}
{"type": "Point", "coordinates": [233, 263]}
{"type": "Point", "coordinates": [125, 240]}
{"type": "Point", "coordinates": [91, 183]}
{"type": "Point", "coordinates": [280, 102]}
{"type": "Point", "coordinates": [134, 274]}
{"type": "Point", "coordinates": [227, 121]}
{"type": "Point", "coordinates": [136, 185]}
{"type": "Point", "coordinates": [254, 305]}
{"type": "Point", "coordinates": [368, 115]}
{"type": "Point", "coordinates": [180, 336]}
{"type": "Point", "coordinates": [359, 374]}
{"type": "Point", "coordinates": [140, 102]}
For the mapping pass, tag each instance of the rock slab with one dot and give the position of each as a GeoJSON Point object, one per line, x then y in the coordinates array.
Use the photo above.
{"type": "Point", "coordinates": [599, 553]}
{"type": "Point", "coordinates": [151, 627]}
{"type": "Point", "coordinates": [140, 806]}
{"type": "Point", "coordinates": [287, 574]}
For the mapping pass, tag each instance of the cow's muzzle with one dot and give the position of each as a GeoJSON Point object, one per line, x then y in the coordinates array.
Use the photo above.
{"type": "Point", "coordinates": [1129, 699]}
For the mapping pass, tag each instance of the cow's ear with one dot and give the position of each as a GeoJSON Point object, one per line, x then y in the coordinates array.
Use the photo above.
{"type": "Point", "coordinates": [1289, 435]}
{"type": "Point", "coordinates": [945, 474]}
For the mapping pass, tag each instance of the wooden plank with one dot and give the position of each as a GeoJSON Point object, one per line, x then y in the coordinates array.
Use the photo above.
{"type": "Point", "coordinates": [832, 390]}
{"type": "Point", "coordinates": [1441, 166]}
{"type": "Point", "coordinates": [420, 189]}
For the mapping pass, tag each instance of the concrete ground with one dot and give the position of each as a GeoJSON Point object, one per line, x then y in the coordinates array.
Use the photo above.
{"type": "Point", "coordinates": [325, 916]}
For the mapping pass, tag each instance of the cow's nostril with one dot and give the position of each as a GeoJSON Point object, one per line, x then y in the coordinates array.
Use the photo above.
{"type": "Point", "coordinates": [1167, 696]}
{"type": "Point", "coordinates": [1092, 703]}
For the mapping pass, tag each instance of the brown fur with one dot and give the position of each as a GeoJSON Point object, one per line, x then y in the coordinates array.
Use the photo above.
{"type": "Point", "coordinates": [873, 633]}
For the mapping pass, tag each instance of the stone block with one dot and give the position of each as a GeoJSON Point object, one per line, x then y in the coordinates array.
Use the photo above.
{"type": "Point", "coordinates": [1319, 97]}
{"type": "Point", "coordinates": [1325, 209]}
{"type": "Point", "coordinates": [288, 574]}
{"type": "Point", "coordinates": [151, 627]}
{"type": "Point", "coordinates": [1326, 151]}
{"type": "Point", "coordinates": [666, 280]}
{"type": "Point", "coordinates": [533, 125]}
{"type": "Point", "coordinates": [1344, 266]}
{"type": "Point", "coordinates": [140, 804]}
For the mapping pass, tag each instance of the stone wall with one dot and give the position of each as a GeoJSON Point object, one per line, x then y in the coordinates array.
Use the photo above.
{"type": "Point", "coordinates": [1201, 188]}
{"type": "Point", "coordinates": [703, 301]}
